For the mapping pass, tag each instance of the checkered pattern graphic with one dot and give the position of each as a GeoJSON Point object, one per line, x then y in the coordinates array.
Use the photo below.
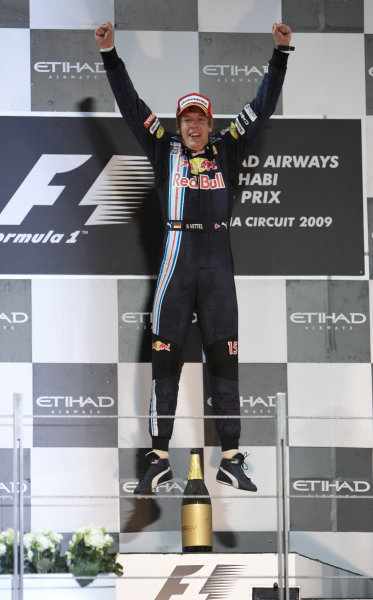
{"type": "Point", "coordinates": [78, 348]}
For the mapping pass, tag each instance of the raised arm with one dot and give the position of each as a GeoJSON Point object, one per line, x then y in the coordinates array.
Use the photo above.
{"type": "Point", "coordinates": [143, 123]}
{"type": "Point", "coordinates": [255, 114]}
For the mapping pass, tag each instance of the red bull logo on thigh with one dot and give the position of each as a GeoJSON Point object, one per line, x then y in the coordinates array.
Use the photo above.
{"type": "Point", "coordinates": [158, 345]}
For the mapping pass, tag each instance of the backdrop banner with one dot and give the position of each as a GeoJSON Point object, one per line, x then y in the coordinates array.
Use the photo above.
{"type": "Point", "coordinates": [78, 198]}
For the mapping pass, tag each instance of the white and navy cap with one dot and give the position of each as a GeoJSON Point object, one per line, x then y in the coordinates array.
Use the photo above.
{"type": "Point", "coordinates": [198, 100]}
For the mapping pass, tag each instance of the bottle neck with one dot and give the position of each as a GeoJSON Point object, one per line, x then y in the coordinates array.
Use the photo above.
{"type": "Point", "coordinates": [195, 467]}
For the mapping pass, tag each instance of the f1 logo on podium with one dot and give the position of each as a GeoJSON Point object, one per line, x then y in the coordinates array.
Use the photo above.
{"type": "Point", "coordinates": [220, 583]}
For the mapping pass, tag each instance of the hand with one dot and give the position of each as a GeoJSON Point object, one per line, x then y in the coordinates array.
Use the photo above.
{"type": "Point", "coordinates": [281, 34]}
{"type": "Point", "coordinates": [104, 35]}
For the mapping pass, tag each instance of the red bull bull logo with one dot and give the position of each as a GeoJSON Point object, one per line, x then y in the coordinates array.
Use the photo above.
{"type": "Point", "coordinates": [157, 346]}
{"type": "Point", "coordinates": [200, 164]}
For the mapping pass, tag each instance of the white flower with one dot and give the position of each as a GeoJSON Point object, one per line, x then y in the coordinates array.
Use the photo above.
{"type": "Point", "coordinates": [9, 537]}
{"type": "Point", "coordinates": [2, 549]}
{"type": "Point", "coordinates": [95, 539]}
{"type": "Point", "coordinates": [30, 555]}
{"type": "Point", "coordinates": [42, 542]}
{"type": "Point", "coordinates": [56, 537]}
{"type": "Point", "coordinates": [28, 538]}
{"type": "Point", "coordinates": [108, 540]}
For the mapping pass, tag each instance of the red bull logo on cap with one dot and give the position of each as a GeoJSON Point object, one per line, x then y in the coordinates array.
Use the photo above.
{"type": "Point", "coordinates": [157, 346]}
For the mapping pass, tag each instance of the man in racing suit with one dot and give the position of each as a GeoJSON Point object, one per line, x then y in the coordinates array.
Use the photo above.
{"type": "Point", "coordinates": [193, 170]}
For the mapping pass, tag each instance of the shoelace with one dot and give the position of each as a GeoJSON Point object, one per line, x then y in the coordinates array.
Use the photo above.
{"type": "Point", "coordinates": [241, 461]}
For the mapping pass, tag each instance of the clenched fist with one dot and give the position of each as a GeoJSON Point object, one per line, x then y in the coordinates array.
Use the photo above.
{"type": "Point", "coordinates": [281, 34]}
{"type": "Point", "coordinates": [104, 35]}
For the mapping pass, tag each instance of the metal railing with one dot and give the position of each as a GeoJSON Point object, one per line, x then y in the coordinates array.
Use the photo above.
{"type": "Point", "coordinates": [282, 496]}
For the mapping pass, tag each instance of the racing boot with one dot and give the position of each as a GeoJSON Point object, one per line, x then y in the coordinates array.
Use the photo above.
{"type": "Point", "coordinates": [158, 471]}
{"type": "Point", "coordinates": [231, 472]}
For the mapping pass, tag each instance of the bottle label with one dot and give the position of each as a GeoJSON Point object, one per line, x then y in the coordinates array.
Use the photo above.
{"type": "Point", "coordinates": [196, 525]}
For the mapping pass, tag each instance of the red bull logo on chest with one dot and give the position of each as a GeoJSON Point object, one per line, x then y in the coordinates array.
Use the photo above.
{"type": "Point", "coordinates": [202, 182]}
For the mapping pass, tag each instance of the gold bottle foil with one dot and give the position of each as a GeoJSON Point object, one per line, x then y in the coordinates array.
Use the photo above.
{"type": "Point", "coordinates": [195, 467]}
{"type": "Point", "coordinates": [196, 525]}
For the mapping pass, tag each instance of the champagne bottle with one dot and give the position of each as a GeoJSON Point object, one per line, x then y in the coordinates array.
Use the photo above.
{"type": "Point", "coordinates": [196, 513]}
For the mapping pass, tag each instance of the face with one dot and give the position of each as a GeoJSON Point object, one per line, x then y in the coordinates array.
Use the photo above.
{"type": "Point", "coordinates": [194, 128]}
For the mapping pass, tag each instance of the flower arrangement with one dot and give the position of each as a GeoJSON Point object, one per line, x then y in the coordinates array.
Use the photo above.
{"type": "Point", "coordinates": [6, 551]}
{"type": "Point", "coordinates": [42, 552]}
{"type": "Point", "coordinates": [88, 555]}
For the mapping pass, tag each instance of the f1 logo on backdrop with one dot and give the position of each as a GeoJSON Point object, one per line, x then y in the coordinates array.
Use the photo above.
{"type": "Point", "coordinates": [77, 198]}
{"type": "Point", "coordinates": [116, 193]}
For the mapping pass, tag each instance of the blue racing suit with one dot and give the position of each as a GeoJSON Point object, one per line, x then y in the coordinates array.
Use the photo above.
{"type": "Point", "coordinates": [196, 270]}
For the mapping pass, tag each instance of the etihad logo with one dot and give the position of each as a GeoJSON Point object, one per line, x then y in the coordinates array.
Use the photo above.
{"type": "Point", "coordinates": [170, 487]}
{"type": "Point", "coordinates": [70, 405]}
{"type": "Point", "coordinates": [9, 487]}
{"type": "Point", "coordinates": [9, 320]}
{"type": "Point", "coordinates": [321, 320]}
{"type": "Point", "coordinates": [116, 194]}
{"type": "Point", "coordinates": [137, 318]}
{"type": "Point", "coordinates": [70, 70]}
{"type": "Point", "coordinates": [258, 405]}
{"type": "Point", "coordinates": [235, 73]}
{"type": "Point", "coordinates": [331, 486]}
{"type": "Point", "coordinates": [143, 319]}
{"type": "Point", "coordinates": [255, 405]}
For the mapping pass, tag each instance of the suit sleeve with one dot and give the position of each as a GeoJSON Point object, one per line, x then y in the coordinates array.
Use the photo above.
{"type": "Point", "coordinates": [255, 114]}
{"type": "Point", "coordinates": [143, 123]}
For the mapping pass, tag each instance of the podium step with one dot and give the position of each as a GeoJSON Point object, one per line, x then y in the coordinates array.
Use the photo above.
{"type": "Point", "coordinates": [233, 577]}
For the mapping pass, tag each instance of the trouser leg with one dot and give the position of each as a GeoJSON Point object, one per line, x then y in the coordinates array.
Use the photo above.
{"type": "Point", "coordinates": [172, 317]}
{"type": "Point", "coordinates": [167, 361]}
{"type": "Point", "coordinates": [222, 366]}
{"type": "Point", "coordinates": [218, 319]}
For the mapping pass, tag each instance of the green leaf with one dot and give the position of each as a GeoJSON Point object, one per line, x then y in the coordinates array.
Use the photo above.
{"type": "Point", "coordinates": [81, 567]}
{"type": "Point", "coordinates": [43, 565]}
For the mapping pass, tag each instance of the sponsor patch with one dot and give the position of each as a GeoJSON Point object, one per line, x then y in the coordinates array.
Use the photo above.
{"type": "Point", "coordinates": [174, 225]}
{"type": "Point", "coordinates": [250, 113]}
{"type": "Point", "coordinates": [239, 127]}
{"type": "Point", "coordinates": [175, 147]}
{"type": "Point", "coordinates": [160, 132]}
{"type": "Point", "coordinates": [149, 120]}
{"type": "Point", "coordinates": [154, 126]}
{"type": "Point", "coordinates": [214, 150]}
{"type": "Point", "coordinates": [244, 120]}
{"type": "Point", "coordinates": [233, 131]}
{"type": "Point", "coordinates": [222, 224]}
